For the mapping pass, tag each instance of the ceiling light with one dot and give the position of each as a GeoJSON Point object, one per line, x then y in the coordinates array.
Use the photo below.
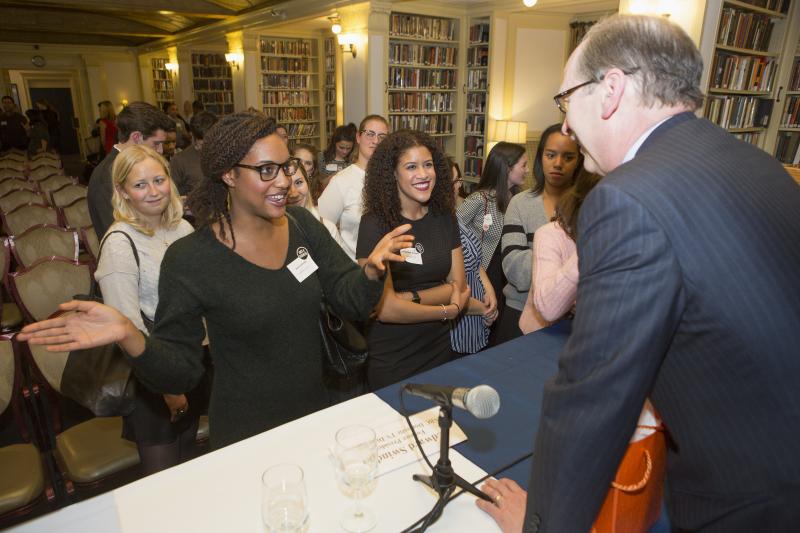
{"type": "Point", "coordinates": [336, 28]}
{"type": "Point", "coordinates": [529, 3]}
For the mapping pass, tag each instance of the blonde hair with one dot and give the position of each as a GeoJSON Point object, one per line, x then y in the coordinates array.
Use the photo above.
{"type": "Point", "coordinates": [123, 211]}
{"type": "Point", "coordinates": [107, 110]}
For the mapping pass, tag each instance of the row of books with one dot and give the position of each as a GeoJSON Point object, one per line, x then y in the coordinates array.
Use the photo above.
{"type": "Point", "coordinates": [330, 63]}
{"type": "Point", "coordinates": [296, 47]}
{"type": "Point", "coordinates": [478, 56]}
{"type": "Point", "coordinates": [477, 80]}
{"type": "Point", "coordinates": [426, 123]}
{"type": "Point", "coordinates": [786, 148]}
{"type": "Point", "coordinates": [330, 47]}
{"type": "Point", "coordinates": [476, 102]}
{"type": "Point", "coordinates": [219, 109]}
{"type": "Point", "coordinates": [479, 33]}
{"type": "Point", "coordinates": [751, 137]}
{"type": "Point", "coordinates": [212, 85]}
{"type": "Point", "coordinates": [473, 167]}
{"type": "Point", "coordinates": [162, 85]}
{"type": "Point", "coordinates": [287, 98]}
{"type": "Point", "coordinates": [208, 60]}
{"type": "Point", "coordinates": [287, 64]}
{"type": "Point", "coordinates": [475, 124]}
{"type": "Point", "coordinates": [473, 146]}
{"type": "Point", "coordinates": [791, 113]}
{"type": "Point", "coordinates": [290, 114]}
{"type": "Point", "coordinates": [422, 54]}
{"type": "Point", "coordinates": [330, 112]}
{"type": "Point", "coordinates": [301, 130]}
{"type": "Point", "coordinates": [794, 79]}
{"type": "Point", "coordinates": [422, 27]}
{"type": "Point", "coordinates": [288, 81]}
{"type": "Point", "coordinates": [738, 111]}
{"type": "Point", "coordinates": [330, 95]}
{"type": "Point", "coordinates": [744, 30]}
{"type": "Point", "coordinates": [418, 101]}
{"type": "Point", "coordinates": [743, 73]}
{"type": "Point", "coordinates": [165, 96]}
{"type": "Point", "coordinates": [216, 97]}
{"type": "Point", "coordinates": [159, 74]}
{"type": "Point", "coordinates": [330, 79]}
{"type": "Point", "coordinates": [159, 63]}
{"type": "Point", "coordinates": [408, 78]}
{"type": "Point", "coordinates": [211, 72]}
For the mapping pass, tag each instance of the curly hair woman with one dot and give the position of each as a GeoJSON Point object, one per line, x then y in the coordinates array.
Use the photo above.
{"type": "Point", "coordinates": [409, 182]}
{"type": "Point", "coordinates": [239, 271]}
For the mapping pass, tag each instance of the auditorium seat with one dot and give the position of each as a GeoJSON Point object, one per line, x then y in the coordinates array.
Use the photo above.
{"type": "Point", "coordinates": [76, 214]}
{"type": "Point", "coordinates": [23, 217]}
{"type": "Point", "coordinates": [42, 241]}
{"type": "Point", "coordinates": [41, 287]}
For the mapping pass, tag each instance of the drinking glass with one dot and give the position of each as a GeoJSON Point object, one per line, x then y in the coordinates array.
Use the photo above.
{"type": "Point", "coordinates": [356, 460]}
{"type": "Point", "coordinates": [284, 502]}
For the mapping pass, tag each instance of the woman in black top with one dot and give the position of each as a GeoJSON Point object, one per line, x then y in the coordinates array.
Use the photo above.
{"type": "Point", "coordinates": [408, 182]}
{"type": "Point", "coordinates": [239, 271]}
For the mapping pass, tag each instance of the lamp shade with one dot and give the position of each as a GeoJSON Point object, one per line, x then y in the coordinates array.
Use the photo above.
{"type": "Point", "coordinates": [508, 131]}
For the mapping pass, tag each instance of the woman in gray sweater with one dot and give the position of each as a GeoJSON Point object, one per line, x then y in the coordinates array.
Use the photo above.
{"type": "Point", "coordinates": [240, 271]}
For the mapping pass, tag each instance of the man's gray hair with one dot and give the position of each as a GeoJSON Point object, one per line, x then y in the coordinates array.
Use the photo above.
{"type": "Point", "coordinates": [663, 56]}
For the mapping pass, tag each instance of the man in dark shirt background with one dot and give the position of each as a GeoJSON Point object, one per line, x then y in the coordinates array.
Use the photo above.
{"type": "Point", "coordinates": [12, 126]}
{"type": "Point", "coordinates": [138, 123]}
{"type": "Point", "coordinates": [185, 166]}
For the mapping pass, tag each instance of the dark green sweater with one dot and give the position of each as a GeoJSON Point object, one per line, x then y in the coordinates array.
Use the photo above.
{"type": "Point", "coordinates": [262, 328]}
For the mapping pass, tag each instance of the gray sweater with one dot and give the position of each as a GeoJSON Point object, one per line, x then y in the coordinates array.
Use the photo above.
{"type": "Point", "coordinates": [524, 215]}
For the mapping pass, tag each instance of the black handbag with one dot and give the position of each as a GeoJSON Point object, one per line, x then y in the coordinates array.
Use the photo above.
{"type": "Point", "coordinates": [344, 348]}
{"type": "Point", "coordinates": [100, 378]}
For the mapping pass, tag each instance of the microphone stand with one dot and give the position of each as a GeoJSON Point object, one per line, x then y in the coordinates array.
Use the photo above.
{"type": "Point", "coordinates": [443, 479]}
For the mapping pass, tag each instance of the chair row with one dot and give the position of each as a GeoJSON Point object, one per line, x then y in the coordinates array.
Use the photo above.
{"type": "Point", "coordinates": [38, 173]}
{"type": "Point", "coordinates": [73, 215]}
{"type": "Point", "coordinates": [57, 193]}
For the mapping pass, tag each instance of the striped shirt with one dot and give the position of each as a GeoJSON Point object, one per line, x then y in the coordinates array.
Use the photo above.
{"type": "Point", "coordinates": [469, 333]}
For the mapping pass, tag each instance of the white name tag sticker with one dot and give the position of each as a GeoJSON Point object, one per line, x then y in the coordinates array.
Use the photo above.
{"type": "Point", "coordinates": [411, 255]}
{"type": "Point", "coordinates": [487, 221]}
{"type": "Point", "coordinates": [303, 266]}
{"type": "Point", "coordinates": [331, 167]}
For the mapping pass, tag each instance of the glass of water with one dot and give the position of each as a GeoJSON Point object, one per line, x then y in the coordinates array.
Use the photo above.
{"type": "Point", "coordinates": [356, 460]}
{"type": "Point", "coordinates": [284, 502]}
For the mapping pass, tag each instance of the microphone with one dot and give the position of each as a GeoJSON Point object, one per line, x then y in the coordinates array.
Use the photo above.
{"type": "Point", "coordinates": [481, 401]}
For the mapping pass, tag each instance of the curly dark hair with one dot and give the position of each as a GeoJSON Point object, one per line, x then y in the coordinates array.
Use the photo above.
{"type": "Point", "coordinates": [225, 144]}
{"type": "Point", "coordinates": [538, 168]}
{"type": "Point", "coordinates": [381, 197]}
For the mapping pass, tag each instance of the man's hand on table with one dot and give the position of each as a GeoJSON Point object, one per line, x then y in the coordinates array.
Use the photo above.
{"type": "Point", "coordinates": [508, 509]}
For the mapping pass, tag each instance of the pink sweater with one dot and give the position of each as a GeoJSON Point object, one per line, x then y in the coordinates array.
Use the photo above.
{"type": "Point", "coordinates": [554, 280]}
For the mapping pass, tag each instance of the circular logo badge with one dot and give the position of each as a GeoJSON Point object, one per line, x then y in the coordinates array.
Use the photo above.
{"type": "Point", "coordinates": [302, 253]}
{"type": "Point", "coordinates": [419, 247]}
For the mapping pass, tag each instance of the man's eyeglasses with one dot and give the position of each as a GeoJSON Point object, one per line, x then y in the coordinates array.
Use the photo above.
{"type": "Point", "coordinates": [562, 98]}
{"type": "Point", "coordinates": [269, 171]}
{"type": "Point", "coordinates": [371, 135]}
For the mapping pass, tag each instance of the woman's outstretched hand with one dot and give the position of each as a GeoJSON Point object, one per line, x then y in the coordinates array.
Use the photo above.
{"type": "Point", "coordinates": [84, 324]}
{"type": "Point", "coordinates": [386, 250]}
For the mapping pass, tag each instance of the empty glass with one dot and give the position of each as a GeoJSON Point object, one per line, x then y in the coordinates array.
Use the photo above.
{"type": "Point", "coordinates": [356, 460]}
{"type": "Point", "coordinates": [284, 502]}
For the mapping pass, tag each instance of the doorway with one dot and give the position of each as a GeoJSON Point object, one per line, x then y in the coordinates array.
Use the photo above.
{"type": "Point", "coordinates": [66, 140]}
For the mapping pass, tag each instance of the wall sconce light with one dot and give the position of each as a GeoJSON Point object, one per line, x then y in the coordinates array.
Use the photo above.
{"type": "Point", "coordinates": [348, 42]}
{"type": "Point", "coordinates": [529, 3]}
{"type": "Point", "coordinates": [172, 68]}
{"type": "Point", "coordinates": [234, 59]}
{"type": "Point", "coordinates": [124, 102]}
{"type": "Point", "coordinates": [662, 8]}
{"type": "Point", "coordinates": [336, 24]}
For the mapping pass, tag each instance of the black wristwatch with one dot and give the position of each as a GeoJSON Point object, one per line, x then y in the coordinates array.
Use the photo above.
{"type": "Point", "coordinates": [415, 297]}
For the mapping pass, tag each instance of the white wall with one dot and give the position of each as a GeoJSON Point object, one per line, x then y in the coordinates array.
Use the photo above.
{"type": "Point", "coordinates": [540, 57]}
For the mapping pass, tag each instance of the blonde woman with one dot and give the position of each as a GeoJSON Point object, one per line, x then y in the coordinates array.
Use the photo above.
{"type": "Point", "coordinates": [148, 218]}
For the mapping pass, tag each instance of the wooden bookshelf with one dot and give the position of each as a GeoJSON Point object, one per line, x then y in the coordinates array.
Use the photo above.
{"type": "Point", "coordinates": [787, 146]}
{"type": "Point", "coordinates": [330, 86]}
{"type": "Point", "coordinates": [212, 82]}
{"type": "Point", "coordinates": [290, 85]}
{"type": "Point", "coordinates": [423, 75]}
{"type": "Point", "coordinates": [476, 89]}
{"type": "Point", "coordinates": [744, 66]}
{"type": "Point", "coordinates": [163, 87]}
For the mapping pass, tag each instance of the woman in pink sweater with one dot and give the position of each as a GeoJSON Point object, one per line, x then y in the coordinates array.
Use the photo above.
{"type": "Point", "coordinates": [554, 281]}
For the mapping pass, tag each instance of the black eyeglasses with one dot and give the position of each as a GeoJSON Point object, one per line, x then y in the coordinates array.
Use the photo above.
{"type": "Point", "coordinates": [562, 98]}
{"type": "Point", "coordinates": [269, 171]}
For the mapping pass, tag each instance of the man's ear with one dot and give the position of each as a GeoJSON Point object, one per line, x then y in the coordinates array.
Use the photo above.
{"type": "Point", "coordinates": [614, 84]}
{"type": "Point", "coordinates": [136, 137]}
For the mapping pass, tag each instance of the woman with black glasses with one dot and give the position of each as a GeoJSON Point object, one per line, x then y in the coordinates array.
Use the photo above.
{"type": "Point", "coordinates": [341, 201]}
{"type": "Point", "coordinates": [249, 262]}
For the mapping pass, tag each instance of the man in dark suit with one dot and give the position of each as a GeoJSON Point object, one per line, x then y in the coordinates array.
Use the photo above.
{"type": "Point", "coordinates": [137, 123]}
{"type": "Point", "coordinates": [689, 294]}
